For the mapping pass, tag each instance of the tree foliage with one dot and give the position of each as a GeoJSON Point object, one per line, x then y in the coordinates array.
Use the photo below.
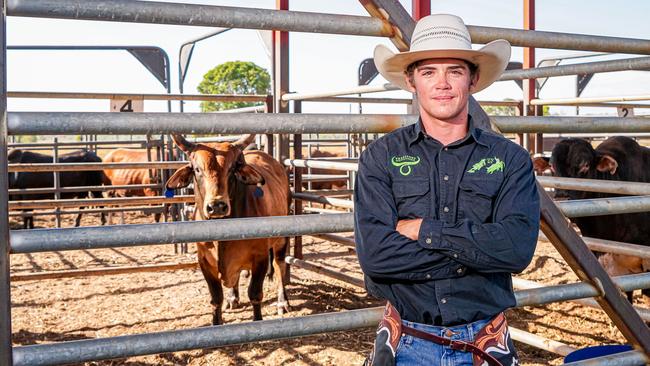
{"type": "Point", "coordinates": [508, 111]}
{"type": "Point", "coordinates": [234, 77]}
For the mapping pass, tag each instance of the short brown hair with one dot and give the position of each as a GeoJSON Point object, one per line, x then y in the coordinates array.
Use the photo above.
{"type": "Point", "coordinates": [410, 69]}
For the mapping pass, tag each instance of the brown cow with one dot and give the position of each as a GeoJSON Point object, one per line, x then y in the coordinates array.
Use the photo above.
{"type": "Point", "coordinates": [542, 165]}
{"type": "Point", "coordinates": [232, 183]}
{"type": "Point", "coordinates": [333, 184]}
{"type": "Point", "coordinates": [131, 176]}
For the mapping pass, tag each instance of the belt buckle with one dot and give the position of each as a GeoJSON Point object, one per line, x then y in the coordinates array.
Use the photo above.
{"type": "Point", "coordinates": [459, 345]}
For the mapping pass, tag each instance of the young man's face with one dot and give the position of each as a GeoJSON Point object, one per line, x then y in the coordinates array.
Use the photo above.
{"type": "Point", "coordinates": [442, 86]}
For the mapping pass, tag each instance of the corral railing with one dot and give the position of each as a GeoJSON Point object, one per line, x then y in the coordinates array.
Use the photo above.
{"type": "Point", "coordinates": [103, 123]}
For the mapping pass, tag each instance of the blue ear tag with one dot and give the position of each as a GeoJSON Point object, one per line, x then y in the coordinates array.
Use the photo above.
{"type": "Point", "coordinates": [169, 193]}
{"type": "Point", "coordinates": [258, 191]}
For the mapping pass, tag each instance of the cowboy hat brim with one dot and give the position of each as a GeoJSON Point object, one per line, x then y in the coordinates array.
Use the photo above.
{"type": "Point", "coordinates": [492, 60]}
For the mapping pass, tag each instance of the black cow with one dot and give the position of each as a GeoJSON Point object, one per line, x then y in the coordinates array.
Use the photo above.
{"type": "Point", "coordinates": [23, 180]}
{"type": "Point", "coordinates": [618, 158]}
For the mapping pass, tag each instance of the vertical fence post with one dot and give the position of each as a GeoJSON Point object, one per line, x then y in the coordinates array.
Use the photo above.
{"type": "Point", "coordinates": [5, 289]}
{"type": "Point", "coordinates": [297, 181]}
{"type": "Point", "coordinates": [57, 182]}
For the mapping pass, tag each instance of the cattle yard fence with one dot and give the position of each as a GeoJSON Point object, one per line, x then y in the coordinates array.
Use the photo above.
{"type": "Point", "coordinates": [145, 123]}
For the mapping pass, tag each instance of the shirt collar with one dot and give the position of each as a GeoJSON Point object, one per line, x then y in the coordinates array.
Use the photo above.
{"type": "Point", "coordinates": [417, 132]}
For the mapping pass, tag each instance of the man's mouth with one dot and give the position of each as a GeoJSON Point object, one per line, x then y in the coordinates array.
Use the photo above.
{"type": "Point", "coordinates": [443, 98]}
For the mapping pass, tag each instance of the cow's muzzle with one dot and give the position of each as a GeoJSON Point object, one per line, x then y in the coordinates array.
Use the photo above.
{"type": "Point", "coordinates": [216, 209]}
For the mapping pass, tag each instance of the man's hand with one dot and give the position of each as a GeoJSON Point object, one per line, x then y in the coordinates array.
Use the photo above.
{"type": "Point", "coordinates": [409, 228]}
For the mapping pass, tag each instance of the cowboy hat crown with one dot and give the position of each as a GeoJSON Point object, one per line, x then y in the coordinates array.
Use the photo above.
{"type": "Point", "coordinates": [444, 36]}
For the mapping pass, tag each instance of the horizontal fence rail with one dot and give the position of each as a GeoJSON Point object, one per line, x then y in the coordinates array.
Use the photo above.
{"type": "Point", "coordinates": [605, 206]}
{"type": "Point", "coordinates": [83, 188]}
{"type": "Point", "coordinates": [596, 185]}
{"type": "Point", "coordinates": [148, 209]}
{"type": "Point", "coordinates": [201, 15]}
{"type": "Point", "coordinates": [58, 123]}
{"type": "Point", "coordinates": [616, 247]}
{"type": "Point", "coordinates": [66, 123]}
{"type": "Point", "coordinates": [231, 334]}
{"type": "Point", "coordinates": [186, 97]}
{"type": "Point", "coordinates": [639, 63]}
{"type": "Point", "coordinates": [88, 202]}
{"type": "Point", "coordinates": [523, 284]}
{"type": "Point", "coordinates": [334, 165]}
{"type": "Point", "coordinates": [571, 124]}
{"type": "Point", "coordinates": [589, 100]}
{"type": "Point", "coordinates": [233, 17]}
{"type": "Point", "coordinates": [336, 202]}
{"type": "Point", "coordinates": [76, 167]}
{"type": "Point", "coordinates": [20, 145]}
{"type": "Point", "coordinates": [41, 240]}
{"type": "Point", "coordinates": [104, 271]}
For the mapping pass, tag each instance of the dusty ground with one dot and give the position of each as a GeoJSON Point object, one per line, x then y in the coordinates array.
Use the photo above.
{"type": "Point", "coordinates": [70, 309]}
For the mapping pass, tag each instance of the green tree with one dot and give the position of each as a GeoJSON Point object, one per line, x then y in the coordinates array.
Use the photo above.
{"type": "Point", "coordinates": [234, 77]}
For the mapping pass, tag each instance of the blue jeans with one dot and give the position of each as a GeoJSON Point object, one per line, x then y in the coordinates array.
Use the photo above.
{"type": "Point", "coordinates": [415, 351]}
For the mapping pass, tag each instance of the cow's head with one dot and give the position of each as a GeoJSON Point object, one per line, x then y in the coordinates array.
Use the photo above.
{"type": "Point", "coordinates": [576, 158]}
{"type": "Point", "coordinates": [214, 169]}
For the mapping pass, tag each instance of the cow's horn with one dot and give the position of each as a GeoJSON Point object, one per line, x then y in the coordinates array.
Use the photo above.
{"type": "Point", "coordinates": [244, 141]}
{"type": "Point", "coordinates": [182, 143]}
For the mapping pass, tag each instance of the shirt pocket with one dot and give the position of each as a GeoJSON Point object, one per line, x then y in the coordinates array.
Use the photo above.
{"type": "Point", "coordinates": [476, 197]}
{"type": "Point", "coordinates": [412, 198]}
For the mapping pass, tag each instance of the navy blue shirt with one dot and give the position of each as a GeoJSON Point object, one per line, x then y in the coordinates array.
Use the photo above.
{"type": "Point", "coordinates": [480, 209]}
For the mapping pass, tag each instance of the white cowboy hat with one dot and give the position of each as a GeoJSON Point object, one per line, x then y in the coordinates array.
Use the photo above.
{"type": "Point", "coordinates": [444, 36]}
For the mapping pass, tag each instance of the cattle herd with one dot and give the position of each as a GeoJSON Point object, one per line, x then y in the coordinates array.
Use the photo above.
{"type": "Point", "coordinates": [230, 181]}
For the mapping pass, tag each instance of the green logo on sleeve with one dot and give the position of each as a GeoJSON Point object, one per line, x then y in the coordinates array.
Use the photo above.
{"type": "Point", "coordinates": [404, 163]}
{"type": "Point", "coordinates": [493, 165]}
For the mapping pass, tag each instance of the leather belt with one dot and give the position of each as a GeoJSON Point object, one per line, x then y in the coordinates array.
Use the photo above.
{"type": "Point", "coordinates": [453, 344]}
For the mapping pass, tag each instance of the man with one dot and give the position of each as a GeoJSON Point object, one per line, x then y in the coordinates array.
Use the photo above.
{"type": "Point", "coordinates": [444, 212]}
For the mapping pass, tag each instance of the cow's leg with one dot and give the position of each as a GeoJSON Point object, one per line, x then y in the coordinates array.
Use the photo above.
{"type": "Point", "coordinates": [216, 293]}
{"type": "Point", "coordinates": [271, 270]}
{"type": "Point", "coordinates": [28, 221]}
{"type": "Point", "coordinates": [232, 296]}
{"type": "Point", "coordinates": [77, 221]}
{"type": "Point", "coordinates": [280, 269]}
{"type": "Point", "coordinates": [256, 286]}
{"type": "Point", "coordinates": [156, 217]}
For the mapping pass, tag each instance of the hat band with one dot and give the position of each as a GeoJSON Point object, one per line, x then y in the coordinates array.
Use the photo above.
{"type": "Point", "coordinates": [441, 32]}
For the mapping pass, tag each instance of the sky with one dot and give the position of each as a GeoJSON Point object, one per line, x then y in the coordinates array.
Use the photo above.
{"type": "Point", "coordinates": [318, 62]}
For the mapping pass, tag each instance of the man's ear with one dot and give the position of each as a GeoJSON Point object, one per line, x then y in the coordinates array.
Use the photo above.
{"type": "Point", "coordinates": [408, 83]}
{"type": "Point", "coordinates": [248, 175]}
{"type": "Point", "coordinates": [181, 178]}
{"type": "Point", "coordinates": [607, 164]}
{"type": "Point", "coordinates": [474, 80]}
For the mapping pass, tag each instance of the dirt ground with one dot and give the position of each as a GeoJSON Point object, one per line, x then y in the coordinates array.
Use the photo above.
{"type": "Point", "coordinates": [92, 307]}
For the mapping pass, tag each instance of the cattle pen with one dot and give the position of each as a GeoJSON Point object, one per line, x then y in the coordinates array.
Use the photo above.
{"type": "Point", "coordinates": [285, 130]}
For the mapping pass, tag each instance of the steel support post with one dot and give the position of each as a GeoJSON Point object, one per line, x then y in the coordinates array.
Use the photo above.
{"type": "Point", "coordinates": [297, 181]}
{"type": "Point", "coordinates": [5, 289]}
{"type": "Point", "coordinates": [420, 9]}
{"type": "Point", "coordinates": [529, 85]}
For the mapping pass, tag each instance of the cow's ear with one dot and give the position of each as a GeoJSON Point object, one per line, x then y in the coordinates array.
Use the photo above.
{"type": "Point", "coordinates": [584, 168]}
{"type": "Point", "coordinates": [248, 175]}
{"type": "Point", "coordinates": [607, 164]}
{"type": "Point", "coordinates": [181, 178]}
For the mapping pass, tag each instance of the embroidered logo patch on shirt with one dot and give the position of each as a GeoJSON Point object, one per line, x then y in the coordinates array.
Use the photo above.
{"type": "Point", "coordinates": [404, 163]}
{"type": "Point", "coordinates": [491, 165]}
